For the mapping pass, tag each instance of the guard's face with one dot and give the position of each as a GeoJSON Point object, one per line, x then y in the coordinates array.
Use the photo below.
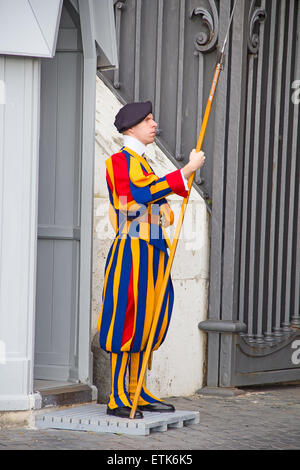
{"type": "Point", "coordinates": [145, 130]}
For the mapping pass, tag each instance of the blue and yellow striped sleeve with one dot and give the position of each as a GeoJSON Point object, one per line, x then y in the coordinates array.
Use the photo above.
{"type": "Point", "coordinates": [136, 183]}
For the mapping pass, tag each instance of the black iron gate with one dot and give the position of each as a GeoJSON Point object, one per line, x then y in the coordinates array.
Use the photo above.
{"type": "Point", "coordinates": [254, 320]}
{"type": "Point", "coordinates": [167, 53]}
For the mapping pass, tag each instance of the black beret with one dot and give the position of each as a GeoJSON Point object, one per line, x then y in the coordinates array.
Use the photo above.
{"type": "Point", "coordinates": [131, 114]}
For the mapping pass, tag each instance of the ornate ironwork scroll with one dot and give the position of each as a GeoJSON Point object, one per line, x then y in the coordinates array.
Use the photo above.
{"type": "Point", "coordinates": [205, 42]}
{"type": "Point", "coordinates": [256, 15]}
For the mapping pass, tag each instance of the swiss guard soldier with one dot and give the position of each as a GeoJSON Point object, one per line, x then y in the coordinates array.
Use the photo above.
{"type": "Point", "coordinates": [137, 259]}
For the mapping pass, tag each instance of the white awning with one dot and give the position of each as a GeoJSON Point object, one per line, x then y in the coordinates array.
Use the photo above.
{"type": "Point", "coordinates": [29, 27]}
{"type": "Point", "coordinates": [105, 33]}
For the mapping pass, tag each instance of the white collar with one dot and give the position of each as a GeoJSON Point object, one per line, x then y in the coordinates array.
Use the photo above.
{"type": "Point", "coordinates": [134, 144]}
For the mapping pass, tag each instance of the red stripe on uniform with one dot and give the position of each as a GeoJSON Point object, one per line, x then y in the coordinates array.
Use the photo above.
{"type": "Point", "coordinates": [109, 181]}
{"type": "Point", "coordinates": [121, 175]}
{"type": "Point", "coordinates": [146, 173]}
{"type": "Point", "coordinates": [176, 183]}
{"type": "Point", "coordinates": [129, 315]}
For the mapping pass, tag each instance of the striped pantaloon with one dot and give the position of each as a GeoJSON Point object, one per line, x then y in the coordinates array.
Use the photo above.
{"type": "Point", "coordinates": [133, 277]}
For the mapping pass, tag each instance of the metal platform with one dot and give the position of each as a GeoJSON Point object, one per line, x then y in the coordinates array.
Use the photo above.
{"type": "Point", "coordinates": [93, 417]}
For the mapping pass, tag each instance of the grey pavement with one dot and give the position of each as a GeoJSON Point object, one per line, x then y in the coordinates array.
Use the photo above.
{"type": "Point", "coordinates": [265, 418]}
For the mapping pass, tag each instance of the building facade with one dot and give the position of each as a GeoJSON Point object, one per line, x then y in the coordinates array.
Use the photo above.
{"type": "Point", "coordinates": [49, 57]}
{"type": "Point", "coordinates": [237, 273]}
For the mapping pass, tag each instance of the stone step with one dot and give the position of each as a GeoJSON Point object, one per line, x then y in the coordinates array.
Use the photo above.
{"type": "Point", "coordinates": [67, 395]}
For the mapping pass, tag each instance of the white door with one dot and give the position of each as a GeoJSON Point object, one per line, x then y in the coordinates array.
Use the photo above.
{"type": "Point", "coordinates": [57, 286]}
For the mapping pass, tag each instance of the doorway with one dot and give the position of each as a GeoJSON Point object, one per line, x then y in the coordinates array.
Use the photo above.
{"type": "Point", "coordinates": [58, 253]}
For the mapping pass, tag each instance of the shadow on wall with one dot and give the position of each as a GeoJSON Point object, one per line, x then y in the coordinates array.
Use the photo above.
{"type": "Point", "coordinates": [101, 370]}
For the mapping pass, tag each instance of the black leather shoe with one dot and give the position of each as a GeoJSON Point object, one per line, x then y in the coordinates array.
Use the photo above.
{"type": "Point", "coordinates": [158, 407]}
{"type": "Point", "coordinates": [123, 412]}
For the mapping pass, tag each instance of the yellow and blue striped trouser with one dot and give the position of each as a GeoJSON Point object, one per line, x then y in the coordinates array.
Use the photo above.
{"type": "Point", "coordinates": [120, 365]}
{"type": "Point", "coordinates": [134, 274]}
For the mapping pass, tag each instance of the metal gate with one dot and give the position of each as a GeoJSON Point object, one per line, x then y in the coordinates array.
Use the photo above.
{"type": "Point", "coordinates": [254, 321]}
{"type": "Point", "coordinates": [167, 53]}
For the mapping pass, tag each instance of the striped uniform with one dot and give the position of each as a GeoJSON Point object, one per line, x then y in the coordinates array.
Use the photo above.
{"type": "Point", "coordinates": [134, 269]}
